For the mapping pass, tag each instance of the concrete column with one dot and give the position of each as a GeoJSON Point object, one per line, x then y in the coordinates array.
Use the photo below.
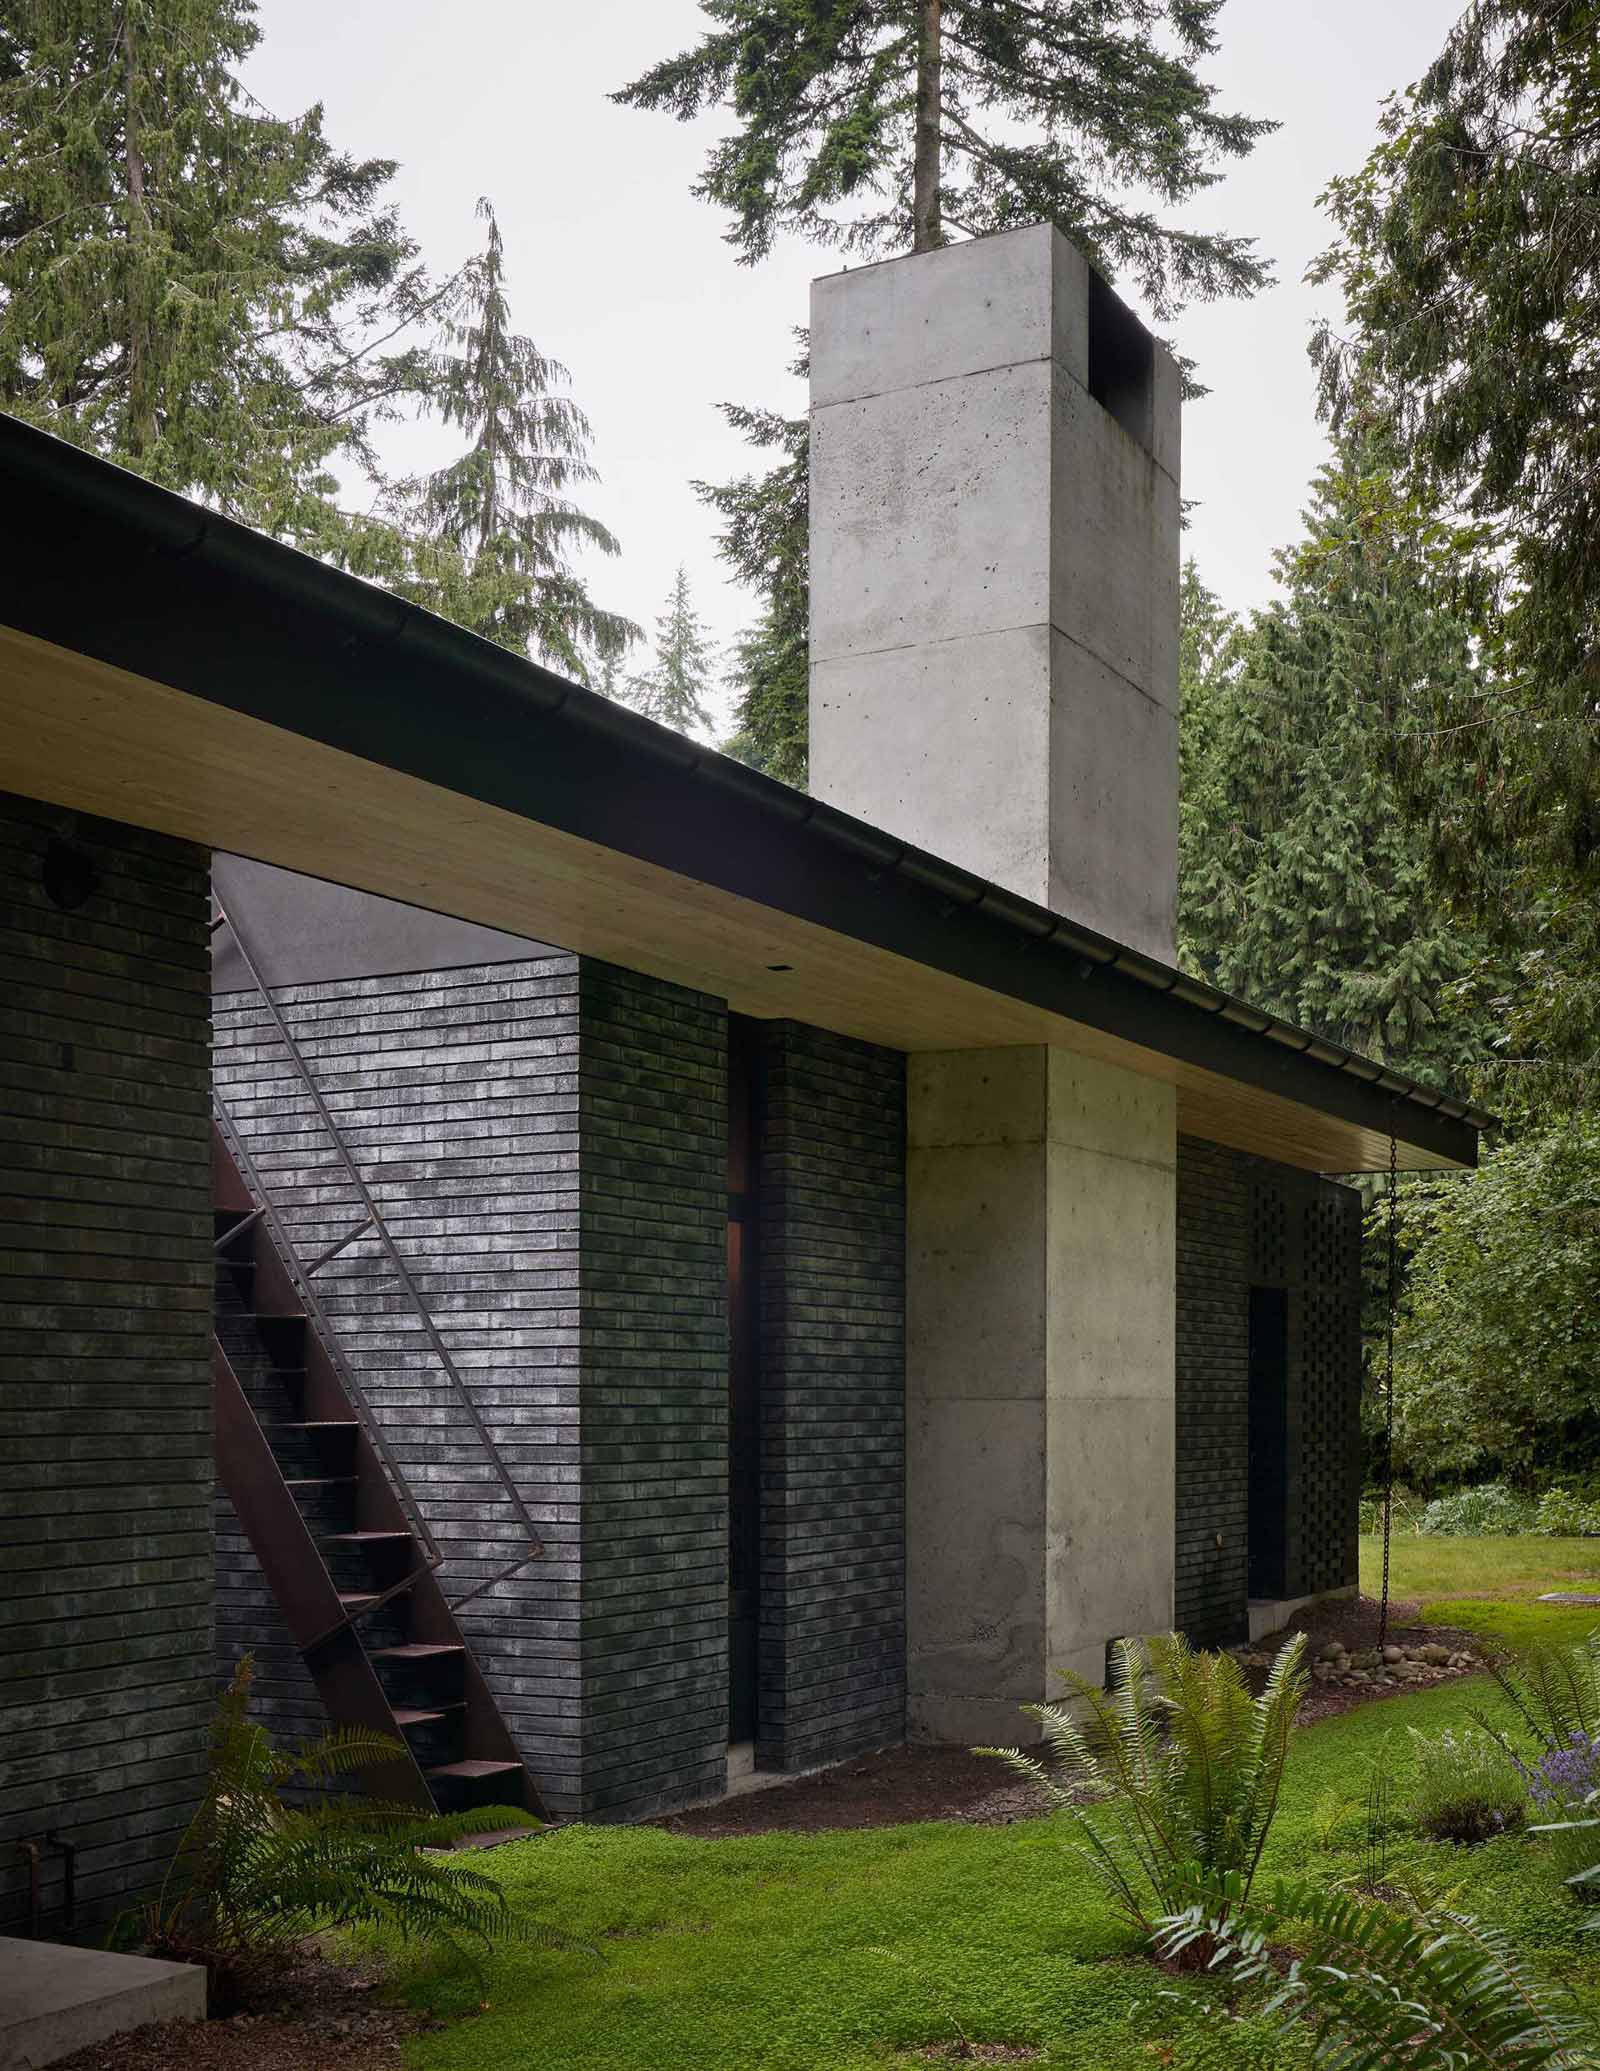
{"type": "Point", "coordinates": [994, 676]}
{"type": "Point", "coordinates": [1041, 1210]}
{"type": "Point", "coordinates": [994, 572]}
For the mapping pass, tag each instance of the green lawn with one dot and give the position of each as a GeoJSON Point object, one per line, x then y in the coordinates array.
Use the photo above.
{"type": "Point", "coordinates": [766, 1953]}
{"type": "Point", "coordinates": [1491, 1585]}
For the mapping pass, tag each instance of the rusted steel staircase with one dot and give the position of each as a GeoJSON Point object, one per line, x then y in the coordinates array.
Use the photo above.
{"type": "Point", "coordinates": [351, 1569]}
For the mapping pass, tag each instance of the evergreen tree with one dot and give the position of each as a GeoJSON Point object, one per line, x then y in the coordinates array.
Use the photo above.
{"type": "Point", "coordinates": [764, 540]}
{"type": "Point", "coordinates": [876, 125]}
{"type": "Point", "coordinates": [200, 291]}
{"type": "Point", "coordinates": [1469, 256]}
{"type": "Point", "coordinates": [674, 690]}
{"type": "Point", "coordinates": [498, 524]}
{"type": "Point", "coordinates": [1303, 886]}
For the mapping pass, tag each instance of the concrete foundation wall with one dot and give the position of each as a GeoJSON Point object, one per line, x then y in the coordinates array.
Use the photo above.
{"type": "Point", "coordinates": [994, 569]}
{"type": "Point", "coordinates": [105, 1408]}
{"type": "Point", "coordinates": [1040, 1235]}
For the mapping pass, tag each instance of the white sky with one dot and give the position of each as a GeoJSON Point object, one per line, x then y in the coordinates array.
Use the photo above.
{"type": "Point", "coordinates": [617, 270]}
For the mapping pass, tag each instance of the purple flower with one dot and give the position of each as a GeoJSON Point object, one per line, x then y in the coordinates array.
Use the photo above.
{"type": "Point", "coordinates": [1565, 1775]}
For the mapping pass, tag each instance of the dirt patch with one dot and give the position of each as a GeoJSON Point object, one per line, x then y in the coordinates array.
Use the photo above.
{"type": "Point", "coordinates": [1351, 1623]}
{"type": "Point", "coordinates": [889, 1789]}
{"type": "Point", "coordinates": [903, 1784]}
{"type": "Point", "coordinates": [314, 2015]}
{"type": "Point", "coordinates": [980, 2053]}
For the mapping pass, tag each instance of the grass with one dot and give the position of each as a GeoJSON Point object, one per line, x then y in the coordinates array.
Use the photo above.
{"type": "Point", "coordinates": [1491, 1586]}
{"type": "Point", "coordinates": [768, 1953]}
{"type": "Point", "coordinates": [858, 1951]}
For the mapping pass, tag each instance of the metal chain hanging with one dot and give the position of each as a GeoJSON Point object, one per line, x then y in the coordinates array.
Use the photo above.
{"type": "Point", "coordinates": [1388, 1384]}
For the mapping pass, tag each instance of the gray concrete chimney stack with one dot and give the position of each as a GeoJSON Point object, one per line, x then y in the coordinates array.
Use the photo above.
{"type": "Point", "coordinates": [994, 574]}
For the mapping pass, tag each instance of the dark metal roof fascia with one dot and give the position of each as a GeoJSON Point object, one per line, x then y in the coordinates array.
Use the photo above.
{"type": "Point", "coordinates": [247, 623]}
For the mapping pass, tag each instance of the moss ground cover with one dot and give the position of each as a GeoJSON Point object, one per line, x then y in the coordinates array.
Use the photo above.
{"type": "Point", "coordinates": [856, 1951]}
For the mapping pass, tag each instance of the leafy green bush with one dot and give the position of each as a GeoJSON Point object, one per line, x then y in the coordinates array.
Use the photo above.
{"type": "Point", "coordinates": [1497, 1356]}
{"type": "Point", "coordinates": [1488, 1511]}
{"type": "Point", "coordinates": [1467, 1787]}
{"type": "Point", "coordinates": [253, 1875]}
{"type": "Point", "coordinates": [1181, 1765]}
{"type": "Point", "coordinates": [1562, 1514]}
{"type": "Point", "coordinates": [1437, 1991]}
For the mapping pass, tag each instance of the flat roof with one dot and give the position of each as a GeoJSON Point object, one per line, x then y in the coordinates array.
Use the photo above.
{"type": "Point", "coordinates": [166, 666]}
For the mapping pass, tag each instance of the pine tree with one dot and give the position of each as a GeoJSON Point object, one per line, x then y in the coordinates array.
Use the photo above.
{"type": "Point", "coordinates": [1469, 256]}
{"type": "Point", "coordinates": [674, 689]}
{"type": "Point", "coordinates": [764, 541]}
{"type": "Point", "coordinates": [877, 125]}
{"type": "Point", "coordinates": [1303, 886]}
{"type": "Point", "coordinates": [204, 293]}
{"type": "Point", "coordinates": [499, 523]}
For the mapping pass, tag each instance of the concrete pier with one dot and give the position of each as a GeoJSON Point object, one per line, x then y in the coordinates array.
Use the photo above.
{"type": "Point", "coordinates": [994, 570]}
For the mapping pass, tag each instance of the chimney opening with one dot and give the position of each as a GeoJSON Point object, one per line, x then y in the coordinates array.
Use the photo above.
{"type": "Point", "coordinates": [1121, 361]}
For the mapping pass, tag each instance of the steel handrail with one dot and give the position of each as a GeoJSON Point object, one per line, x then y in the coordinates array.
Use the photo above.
{"type": "Point", "coordinates": [301, 1276]}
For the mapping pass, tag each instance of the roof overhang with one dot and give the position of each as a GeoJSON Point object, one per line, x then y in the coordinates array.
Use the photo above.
{"type": "Point", "coordinates": [162, 666]}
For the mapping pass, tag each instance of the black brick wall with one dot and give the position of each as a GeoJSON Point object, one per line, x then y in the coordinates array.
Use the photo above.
{"type": "Point", "coordinates": [105, 1411]}
{"type": "Point", "coordinates": [1245, 1221]}
{"type": "Point", "coordinates": [654, 1337]}
{"type": "Point", "coordinates": [832, 1191]}
{"type": "Point", "coordinates": [547, 1142]}
{"type": "Point", "coordinates": [1213, 1391]}
{"type": "Point", "coordinates": [457, 1093]}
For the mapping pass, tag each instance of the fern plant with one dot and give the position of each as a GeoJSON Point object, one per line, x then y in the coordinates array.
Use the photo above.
{"type": "Point", "coordinates": [1434, 1991]}
{"type": "Point", "coordinates": [1554, 1691]}
{"type": "Point", "coordinates": [1173, 1771]}
{"type": "Point", "coordinates": [255, 1874]}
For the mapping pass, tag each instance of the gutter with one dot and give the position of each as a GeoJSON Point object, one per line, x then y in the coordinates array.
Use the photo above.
{"type": "Point", "coordinates": [190, 598]}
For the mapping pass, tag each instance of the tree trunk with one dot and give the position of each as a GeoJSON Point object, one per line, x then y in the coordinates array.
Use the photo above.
{"type": "Point", "coordinates": [927, 231]}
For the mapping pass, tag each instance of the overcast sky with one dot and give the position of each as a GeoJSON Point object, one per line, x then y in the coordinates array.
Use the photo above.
{"type": "Point", "coordinates": [617, 270]}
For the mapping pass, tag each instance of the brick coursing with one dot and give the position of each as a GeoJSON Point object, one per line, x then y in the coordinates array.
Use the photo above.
{"type": "Point", "coordinates": [457, 1093]}
{"type": "Point", "coordinates": [832, 1222]}
{"type": "Point", "coordinates": [105, 1417]}
{"type": "Point", "coordinates": [546, 1140]}
{"type": "Point", "coordinates": [1246, 1221]}
{"type": "Point", "coordinates": [1213, 1385]}
{"type": "Point", "coordinates": [653, 1332]}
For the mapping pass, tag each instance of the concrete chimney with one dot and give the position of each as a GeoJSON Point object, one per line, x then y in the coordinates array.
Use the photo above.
{"type": "Point", "coordinates": [994, 676]}
{"type": "Point", "coordinates": [994, 574]}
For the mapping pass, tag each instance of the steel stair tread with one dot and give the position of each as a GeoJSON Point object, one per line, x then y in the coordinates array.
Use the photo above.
{"type": "Point", "coordinates": [415, 1650]}
{"type": "Point", "coordinates": [364, 1538]}
{"type": "Point", "coordinates": [409, 1715]}
{"type": "Point", "coordinates": [324, 1481]}
{"type": "Point", "coordinates": [469, 1771]}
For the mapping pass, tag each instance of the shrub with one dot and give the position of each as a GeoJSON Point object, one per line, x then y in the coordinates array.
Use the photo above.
{"type": "Point", "coordinates": [1497, 1354]}
{"type": "Point", "coordinates": [253, 1875]}
{"type": "Point", "coordinates": [1182, 1764]}
{"type": "Point", "coordinates": [1563, 1515]}
{"type": "Point", "coordinates": [1434, 1991]}
{"type": "Point", "coordinates": [1488, 1511]}
{"type": "Point", "coordinates": [1467, 1789]}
